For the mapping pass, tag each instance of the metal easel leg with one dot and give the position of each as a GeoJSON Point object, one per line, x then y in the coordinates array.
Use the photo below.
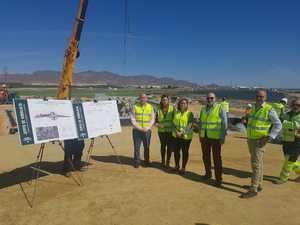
{"type": "Point", "coordinates": [114, 150]}
{"type": "Point", "coordinates": [89, 152]}
{"type": "Point", "coordinates": [37, 172]}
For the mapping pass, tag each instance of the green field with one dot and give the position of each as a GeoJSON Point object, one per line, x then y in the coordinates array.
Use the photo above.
{"type": "Point", "coordinates": [89, 92]}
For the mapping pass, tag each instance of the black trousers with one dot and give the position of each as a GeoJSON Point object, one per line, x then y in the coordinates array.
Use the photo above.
{"type": "Point", "coordinates": [73, 153]}
{"type": "Point", "coordinates": [165, 145]}
{"type": "Point", "coordinates": [181, 145]}
{"type": "Point", "coordinates": [292, 149]}
{"type": "Point", "coordinates": [211, 145]}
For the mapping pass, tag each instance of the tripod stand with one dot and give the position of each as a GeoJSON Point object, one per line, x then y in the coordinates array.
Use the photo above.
{"type": "Point", "coordinates": [91, 147]}
{"type": "Point", "coordinates": [37, 170]}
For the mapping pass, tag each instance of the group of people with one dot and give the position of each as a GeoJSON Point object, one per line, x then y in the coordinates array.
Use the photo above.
{"type": "Point", "coordinates": [176, 126]}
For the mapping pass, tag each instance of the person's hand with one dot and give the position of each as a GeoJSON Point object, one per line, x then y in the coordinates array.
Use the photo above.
{"type": "Point", "coordinates": [195, 125]}
{"type": "Point", "coordinates": [143, 129]}
{"type": "Point", "coordinates": [179, 134]}
{"type": "Point", "coordinates": [263, 141]}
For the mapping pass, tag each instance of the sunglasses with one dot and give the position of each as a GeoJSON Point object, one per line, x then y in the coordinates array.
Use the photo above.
{"type": "Point", "coordinates": [210, 98]}
{"type": "Point", "coordinates": [296, 105]}
{"type": "Point", "coordinates": [260, 96]}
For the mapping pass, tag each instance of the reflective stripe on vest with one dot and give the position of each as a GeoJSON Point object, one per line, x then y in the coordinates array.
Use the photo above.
{"type": "Point", "coordinates": [165, 119]}
{"type": "Point", "coordinates": [143, 114]}
{"type": "Point", "coordinates": [259, 123]}
{"type": "Point", "coordinates": [225, 105]}
{"type": "Point", "coordinates": [211, 123]}
{"type": "Point", "coordinates": [289, 127]}
{"type": "Point", "coordinates": [181, 122]}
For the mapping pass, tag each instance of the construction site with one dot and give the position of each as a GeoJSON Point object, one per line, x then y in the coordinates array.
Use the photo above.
{"type": "Point", "coordinates": [111, 189]}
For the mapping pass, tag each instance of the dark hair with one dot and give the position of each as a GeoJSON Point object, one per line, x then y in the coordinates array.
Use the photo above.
{"type": "Point", "coordinates": [181, 100]}
{"type": "Point", "coordinates": [161, 98]}
{"type": "Point", "coordinates": [295, 100]}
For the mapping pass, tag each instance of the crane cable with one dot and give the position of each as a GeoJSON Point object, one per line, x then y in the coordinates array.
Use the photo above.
{"type": "Point", "coordinates": [126, 31]}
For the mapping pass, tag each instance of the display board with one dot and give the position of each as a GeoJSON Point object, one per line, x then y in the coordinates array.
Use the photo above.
{"type": "Point", "coordinates": [41, 121]}
{"type": "Point", "coordinates": [47, 120]}
{"type": "Point", "coordinates": [101, 118]}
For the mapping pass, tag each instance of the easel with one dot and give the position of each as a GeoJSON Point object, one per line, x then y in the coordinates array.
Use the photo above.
{"type": "Point", "coordinates": [37, 170]}
{"type": "Point", "coordinates": [91, 147]}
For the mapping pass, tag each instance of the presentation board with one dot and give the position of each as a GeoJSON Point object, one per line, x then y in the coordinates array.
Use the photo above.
{"type": "Point", "coordinates": [52, 120]}
{"type": "Point", "coordinates": [101, 118]}
{"type": "Point", "coordinates": [41, 121]}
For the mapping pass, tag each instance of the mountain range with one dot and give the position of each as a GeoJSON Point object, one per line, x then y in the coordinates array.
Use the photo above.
{"type": "Point", "coordinates": [49, 77]}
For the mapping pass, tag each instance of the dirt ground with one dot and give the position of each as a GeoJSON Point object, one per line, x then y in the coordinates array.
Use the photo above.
{"type": "Point", "coordinates": [117, 194]}
{"type": "Point", "coordinates": [4, 123]}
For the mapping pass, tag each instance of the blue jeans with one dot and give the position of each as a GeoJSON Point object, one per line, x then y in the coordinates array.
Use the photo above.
{"type": "Point", "coordinates": [138, 138]}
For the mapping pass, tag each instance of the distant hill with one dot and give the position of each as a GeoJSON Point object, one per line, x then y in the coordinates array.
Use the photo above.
{"type": "Point", "coordinates": [95, 78]}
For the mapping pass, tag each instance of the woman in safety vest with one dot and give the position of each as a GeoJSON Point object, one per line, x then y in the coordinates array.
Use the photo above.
{"type": "Point", "coordinates": [164, 118]}
{"type": "Point", "coordinates": [290, 142]}
{"type": "Point", "coordinates": [182, 134]}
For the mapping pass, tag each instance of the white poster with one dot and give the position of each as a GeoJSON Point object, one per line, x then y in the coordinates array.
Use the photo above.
{"type": "Point", "coordinates": [102, 118]}
{"type": "Point", "coordinates": [52, 120]}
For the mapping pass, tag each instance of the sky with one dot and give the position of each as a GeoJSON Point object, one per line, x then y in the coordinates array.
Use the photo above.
{"type": "Point", "coordinates": [249, 43]}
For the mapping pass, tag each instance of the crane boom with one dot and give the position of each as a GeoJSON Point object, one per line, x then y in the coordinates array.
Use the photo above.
{"type": "Point", "coordinates": [71, 54]}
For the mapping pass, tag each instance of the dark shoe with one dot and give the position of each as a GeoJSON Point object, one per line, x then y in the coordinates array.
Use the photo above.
{"type": "Point", "coordinates": [136, 165]}
{"type": "Point", "coordinates": [182, 171]}
{"type": "Point", "coordinates": [67, 174]}
{"type": "Point", "coordinates": [80, 169]}
{"type": "Point", "coordinates": [78, 166]}
{"type": "Point", "coordinates": [259, 189]}
{"type": "Point", "coordinates": [249, 194]}
{"type": "Point", "coordinates": [176, 169]}
{"type": "Point", "coordinates": [147, 164]}
{"type": "Point", "coordinates": [168, 164]}
{"type": "Point", "coordinates": [218, 184]}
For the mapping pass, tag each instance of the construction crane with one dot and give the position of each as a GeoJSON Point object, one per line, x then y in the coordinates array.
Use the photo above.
{"type": "Point", "coordinates": [72, 53]}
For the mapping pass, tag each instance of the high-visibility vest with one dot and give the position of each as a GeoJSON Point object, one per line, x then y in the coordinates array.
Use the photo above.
{"type": "Point", "coordinates": [290, 125]}
{"type": "Point", "coordinates": [143, 114]}
{"type": "Point", "coordinates": [165, 119]}
{"type": "Point", "coordinates": [225, 105]}
{"type": "Point", "coordinates": [181, 122]}
{"type": "Point", "coordinates": [279, 108]}
{"type": "Point", "coordinates": [211, 122]}
{"type": "Point", "coordinates": [259, 123]}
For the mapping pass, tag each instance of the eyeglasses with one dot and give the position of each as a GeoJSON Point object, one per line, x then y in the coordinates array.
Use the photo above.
{"type": "Point", "coordinates": [209, 98]}
{"type": "Point", "coordinates": [260, 96]}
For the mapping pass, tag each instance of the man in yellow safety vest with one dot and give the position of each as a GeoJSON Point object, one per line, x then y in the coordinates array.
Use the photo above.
{"type": "Point", "coordinates": [290, 142]}
{"type": "Point", "coordinates": [279, 107]}
{"type": "Point", "coordinates": [225, 105]}
{"type": "Point", "coordinates": [142, 119]}
{"type": "Point", "coordinates": [263, 125]}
